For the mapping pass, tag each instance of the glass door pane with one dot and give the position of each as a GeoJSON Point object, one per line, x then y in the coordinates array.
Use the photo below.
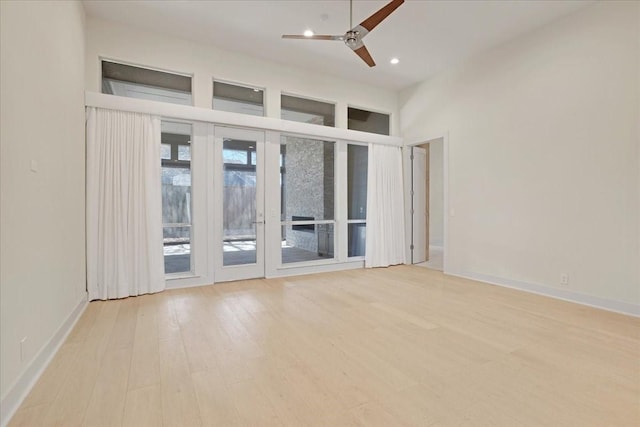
{"type": "Point", "coordinates": [239, 214]}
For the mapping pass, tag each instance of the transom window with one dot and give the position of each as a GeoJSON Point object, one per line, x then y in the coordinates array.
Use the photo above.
{"type": "Point", "coordinates": [368, 121]}
{"type": "Point", "coordinates": [144, 83]}
{"type": "Point", "coordinates": [238, 99]}
{"type": "Point", "coordinates": [307, 110]}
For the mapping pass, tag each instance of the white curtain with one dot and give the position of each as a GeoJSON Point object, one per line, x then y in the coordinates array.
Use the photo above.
{"type": "Point", "coordinates": [385, 207]}
{"type": "Point", "coordinates": [124, 204]}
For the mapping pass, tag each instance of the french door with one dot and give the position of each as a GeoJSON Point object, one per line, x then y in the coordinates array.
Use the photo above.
{"type": "Point", "coordinates": [240, 175]}
{"type": "Point", "coordinates": [239, 220]}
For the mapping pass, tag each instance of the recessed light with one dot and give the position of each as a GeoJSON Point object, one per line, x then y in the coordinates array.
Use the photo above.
{"type": "Point", "coordinates": [394, 61]}
{"type": "Point", "coordinates": [308, 33]}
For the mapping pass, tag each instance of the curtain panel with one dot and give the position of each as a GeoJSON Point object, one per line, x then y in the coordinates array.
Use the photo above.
{"type": "Point", "coordinates": [385, 207]}
{"type": "Point", "coordinates": [124, 204]}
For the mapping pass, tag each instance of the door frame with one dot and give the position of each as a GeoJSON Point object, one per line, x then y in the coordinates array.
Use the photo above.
{"type": "Point", "coordinates": [444, 136]}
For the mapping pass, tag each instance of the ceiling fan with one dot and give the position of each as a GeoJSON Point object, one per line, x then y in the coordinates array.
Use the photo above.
{"type": "Point", "coordinates": [353, 37]}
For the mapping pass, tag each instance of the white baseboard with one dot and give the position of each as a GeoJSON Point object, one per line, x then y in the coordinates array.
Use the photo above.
{"type": "Point", "coordinates": [562, 294]}
{"type": "Point", "coordinates": [23, 385]}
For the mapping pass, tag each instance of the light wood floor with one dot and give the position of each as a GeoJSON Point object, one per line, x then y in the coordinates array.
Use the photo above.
{"type": "Point", "coordinates": [403, 346]}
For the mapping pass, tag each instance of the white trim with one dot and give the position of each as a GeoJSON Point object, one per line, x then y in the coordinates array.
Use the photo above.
{"type": "Point", "coordinates": [548, 291]}
{"type": "Point", "coordinates": [225, 118]}
{"type": "Point", "coordinates": [25, 382]}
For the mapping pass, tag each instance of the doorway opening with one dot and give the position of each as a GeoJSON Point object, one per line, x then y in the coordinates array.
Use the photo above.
{"type": "Point", "coordinates": [428, 204]}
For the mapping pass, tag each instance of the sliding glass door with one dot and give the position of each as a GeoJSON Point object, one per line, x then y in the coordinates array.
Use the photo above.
{"type": "Point", "coordinates": [239, 221]}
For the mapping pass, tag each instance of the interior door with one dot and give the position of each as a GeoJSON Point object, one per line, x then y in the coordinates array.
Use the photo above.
{"type": "Point", "coordinates": [239, 222]}
{"type": "Point", "coordinates": [419, 217]}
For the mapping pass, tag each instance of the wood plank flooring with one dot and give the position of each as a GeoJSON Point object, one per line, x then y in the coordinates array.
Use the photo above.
{"type": "Point", "coordinates": [403, 346]}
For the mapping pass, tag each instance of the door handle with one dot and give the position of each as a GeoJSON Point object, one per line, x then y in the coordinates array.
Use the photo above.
{"type": "Point", "coordinates": [257, 222]}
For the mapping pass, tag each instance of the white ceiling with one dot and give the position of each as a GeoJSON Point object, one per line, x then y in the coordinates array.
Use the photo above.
{"type": "Point", "coordinates": [427, 36]}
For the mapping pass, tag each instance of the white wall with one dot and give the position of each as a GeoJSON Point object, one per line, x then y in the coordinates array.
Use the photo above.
{"type": "Point", "coordinates": [115, 41]}
{"type": "Point", "coordinates": [544, 165]}
{"type": "Point", "coordinates": [436, 193]}
{"type": "Point", "coordinates": [42, 213]}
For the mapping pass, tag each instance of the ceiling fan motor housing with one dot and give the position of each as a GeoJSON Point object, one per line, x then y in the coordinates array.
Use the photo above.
{"type": "Point", "coordinates": [351, 38]}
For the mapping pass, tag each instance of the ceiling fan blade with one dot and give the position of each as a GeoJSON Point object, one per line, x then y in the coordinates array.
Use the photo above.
{"type": "Point", "coordinates": [371, 22]}
{"type": "Point", "coordinates": [363, 53]}
{"type": "Point", "coordinates": [319, 37]}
